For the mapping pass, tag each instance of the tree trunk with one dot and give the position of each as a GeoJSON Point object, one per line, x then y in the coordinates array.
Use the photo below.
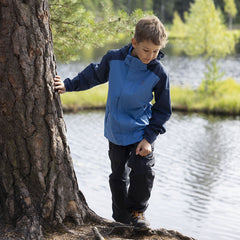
{"type": "Point", "coordinates": [38, 187]}
{"type": "Point", "coordinates": [230, 21]}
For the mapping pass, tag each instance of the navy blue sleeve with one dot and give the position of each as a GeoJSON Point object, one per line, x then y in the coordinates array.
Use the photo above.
{"type": "Point", "coordinates": [161, 110]}
{"type": "Point", "coordinates": [94, 74]}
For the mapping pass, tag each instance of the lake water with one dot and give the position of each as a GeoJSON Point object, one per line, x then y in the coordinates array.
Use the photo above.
{"type": "Point", "coordinates": [197, 184]}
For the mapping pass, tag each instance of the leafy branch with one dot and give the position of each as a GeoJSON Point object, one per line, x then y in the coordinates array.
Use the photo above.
{"type": "Point", "coordinates": [75, 28]}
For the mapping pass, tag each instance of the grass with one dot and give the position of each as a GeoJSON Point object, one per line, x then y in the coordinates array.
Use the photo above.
{"type": "Point", "coordinates": [92, 98]}
{"type": "Point", "coordinates": [222, 98]}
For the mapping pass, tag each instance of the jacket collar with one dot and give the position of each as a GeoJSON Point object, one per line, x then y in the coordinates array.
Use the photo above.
{"type": "Point", "coordinates": [135, 63]}
{"type": "Point", "coordinates": [127, 51]}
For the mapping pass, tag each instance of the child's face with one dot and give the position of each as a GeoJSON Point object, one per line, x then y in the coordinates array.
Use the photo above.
{"type": "Point", "coordinates": [146, 51]}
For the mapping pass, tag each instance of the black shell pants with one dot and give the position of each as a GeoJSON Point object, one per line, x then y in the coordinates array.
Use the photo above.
{"type": "Point", "coordinates": [131, 180]}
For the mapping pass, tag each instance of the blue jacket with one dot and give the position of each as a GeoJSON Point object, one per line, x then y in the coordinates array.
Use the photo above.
{"type": "Point", "coordinates": [129, 115]}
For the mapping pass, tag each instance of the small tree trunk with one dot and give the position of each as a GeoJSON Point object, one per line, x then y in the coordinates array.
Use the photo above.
{"type": "Point", "coordinates": [38, 186]}
{"type": "Point", "coordinates": [129, 6]}
{"type": "Point", "coordinates": [230, 21]}
{"type": "Point", "coordinates": [163, 10]}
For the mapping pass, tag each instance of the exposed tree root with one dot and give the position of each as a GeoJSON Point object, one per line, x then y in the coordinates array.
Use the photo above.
{"type": "Point", "coordinates": [107, 230]}
{"type": "Point", "coordinates": [97, 234]}
{"type": "Point", "coordinates": [29, 228]}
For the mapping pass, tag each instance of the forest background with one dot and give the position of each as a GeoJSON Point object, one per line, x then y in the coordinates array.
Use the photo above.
{"type": "Point", "coordinates": [202, 28]}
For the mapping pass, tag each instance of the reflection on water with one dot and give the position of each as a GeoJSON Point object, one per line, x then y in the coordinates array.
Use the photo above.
{"type": "Point", "coordinates": [196, 189]}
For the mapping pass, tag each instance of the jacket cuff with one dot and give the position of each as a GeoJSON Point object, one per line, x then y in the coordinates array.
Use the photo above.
{"type": "Point", "coordinates": [150, 138]}
{"type": "Point", "coordinates": [150, 135]}
{"type": "Point", "coordinates": [66, 84]}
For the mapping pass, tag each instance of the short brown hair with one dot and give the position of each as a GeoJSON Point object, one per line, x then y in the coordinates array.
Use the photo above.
{"type": "Point", "coordinates": [151, 28]}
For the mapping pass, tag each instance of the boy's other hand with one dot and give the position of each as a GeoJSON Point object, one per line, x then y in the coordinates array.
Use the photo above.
{"type": "Point", "coordinates": [59, 85]}
{"type": "Point", "coordinates": [143, 148]}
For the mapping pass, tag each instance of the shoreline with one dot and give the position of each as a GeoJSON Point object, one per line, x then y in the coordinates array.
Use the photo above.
{"type": "Point", "coordinates": [222, 98]}
{"type": "Point", "coordinates": [215, 112]}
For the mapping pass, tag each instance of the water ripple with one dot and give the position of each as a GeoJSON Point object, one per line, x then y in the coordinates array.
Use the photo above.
{"type": "Point", "coordinates": [196, 188]}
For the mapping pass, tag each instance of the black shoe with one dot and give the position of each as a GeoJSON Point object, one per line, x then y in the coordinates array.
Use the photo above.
{"type": "Point", "coordinates": [122, 219]}
{"type": "Point", "coordinates": [138, 221]}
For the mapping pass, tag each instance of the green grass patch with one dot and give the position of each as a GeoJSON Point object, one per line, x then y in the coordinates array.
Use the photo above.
{"type": "Point", "coordinates": [93, 98]}
{"type": "Point", "coordinates": [221, 97]}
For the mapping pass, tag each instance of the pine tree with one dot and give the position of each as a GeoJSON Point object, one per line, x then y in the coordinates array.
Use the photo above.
{"type": "Point", "coordinates": [75, 28]}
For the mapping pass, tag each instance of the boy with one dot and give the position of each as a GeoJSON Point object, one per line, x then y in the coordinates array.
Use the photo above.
{"type": "Point", "coordinates": [132, 124]}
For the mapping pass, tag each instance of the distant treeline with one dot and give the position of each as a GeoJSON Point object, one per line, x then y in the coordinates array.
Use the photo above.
{"type": "Point", "coordinates": [164, 9]}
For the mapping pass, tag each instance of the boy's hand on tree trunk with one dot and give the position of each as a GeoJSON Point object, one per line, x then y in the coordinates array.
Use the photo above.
{"type": "Point", "coordinates": [59, 85]}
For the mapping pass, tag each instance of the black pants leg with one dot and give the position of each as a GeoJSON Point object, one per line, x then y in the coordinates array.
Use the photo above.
{"type": "Point", "coordinates": [141, 181]}
{"type": "Point", "coordinates": [135, 198]}
{"type": "Point", "coordinates": [118, 181]}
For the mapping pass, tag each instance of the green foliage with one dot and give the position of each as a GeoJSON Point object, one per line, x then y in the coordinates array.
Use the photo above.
{"type": "Point", "coordinates": [71, 26]}
{"type": "Point", "coordinates": [225, 100]}
{"type": "Point", "coordinates": [230, 7]}
{"type": "Point", "coordinates": [210, 83]}
{"type": "Point", "coordinates": [204, 30]}
{"type": "Point", "coordinates": [96, 6]}
{"type": "Point", "coordinates": [181, 97]}
{"type": "Point", "coordinates": [74, 28]}
{"type": "Point", "coordinates": [179, 28]}
{"type": "Point", "coordinates": [177, 34]}
{"type": "Point", "coordinates": [79, 24]}
{"type": "Point", "coordinates": [130, 6]}
{"type": "Point", "coordinates": [206, 33]}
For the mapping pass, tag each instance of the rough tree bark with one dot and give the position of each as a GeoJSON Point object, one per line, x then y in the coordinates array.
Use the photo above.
{"type": "Point", "coordinates": [38, 187]}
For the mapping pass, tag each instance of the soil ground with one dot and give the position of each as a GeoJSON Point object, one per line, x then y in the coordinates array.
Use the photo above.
{"type": "Point", "coordinates": [118, 232]}
{"type": "Point", "coordinates": [107, 230]}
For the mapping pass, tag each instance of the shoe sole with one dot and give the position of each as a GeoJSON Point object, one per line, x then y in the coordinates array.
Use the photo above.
{"type": "Point", "coordinates": [140, 229]}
